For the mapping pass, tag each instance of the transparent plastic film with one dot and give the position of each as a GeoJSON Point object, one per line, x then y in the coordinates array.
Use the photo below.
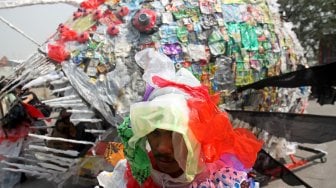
{"type": "Point", "coordinates": [80, 81]}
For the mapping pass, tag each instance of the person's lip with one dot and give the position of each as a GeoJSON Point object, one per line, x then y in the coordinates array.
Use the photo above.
{"type": "Point", "coordinates": [162, 160]}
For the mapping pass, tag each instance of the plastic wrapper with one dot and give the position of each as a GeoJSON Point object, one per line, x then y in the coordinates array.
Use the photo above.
{"type": "Point", "coordinates": [104, 179]}
{"type": "Point", "coordinates": [251, 14]}
{"type": "Point", "coordinates": [249, 37]}
{"type": "Point", "coordinates": [216, 43]}
{"type": "Point", "coordinates": [208, 21]}
{"type": "Point", "coordinates": [139, 163]}
{"type": "Point", "coordinates": [206, 7]}
{"type": "Point", "coordinates": [180, 150]}
{"type": "Point", "coordinates": [197, 52]}
{"type": "Point", "coordinates": [167, 18]}
{"type": "Point", "coordinates": [280, 148]}
{"type": "Point", "coordinates": [223, 78]}
{"type": "Point", "coordinates": [91, 166]}
{"type": "Point", "coordinates": [114, 152]}
{"type": "Point", "coordinates": [66, 89]}
{"type": "Point", "coordinates": [182, 34]}
{"type": "Point", "coordinates": [231, 13]}
{"type": "Point", "coordinates": [172, 49]}
{"type": "Point", "coordinates": [233, 1]}
{"type": "Point", "coordinates": [234, 32]}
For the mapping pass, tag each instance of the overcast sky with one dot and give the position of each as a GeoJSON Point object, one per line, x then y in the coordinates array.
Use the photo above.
{"type": "Point", "coordinates": [39, 22]}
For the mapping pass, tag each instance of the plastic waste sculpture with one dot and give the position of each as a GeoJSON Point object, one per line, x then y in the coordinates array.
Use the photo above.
{"type": "Point", "coordinates": [226, 44]}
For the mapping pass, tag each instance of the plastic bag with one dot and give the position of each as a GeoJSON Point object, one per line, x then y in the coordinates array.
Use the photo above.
{"type": "Point", "coordinates": [115, 178]}
{"type": "Point", "coordinates": [91, 4]}
{"type": "Point", "coordinates": [8, 179]}
{"type": "Point", "coordinates": [223, 78]}
{"type": "Point", "coordinates": [57, 52]}
{"type": "Point", "coordinates": [154, 63]}
{"type": "Point", "coordinates": [12, 149]}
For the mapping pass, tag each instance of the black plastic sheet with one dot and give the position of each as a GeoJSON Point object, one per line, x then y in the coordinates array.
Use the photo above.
{"type": "Point", "coordinates": [302, 128]}
{"type": "Point", "coordinates": [321, 78]}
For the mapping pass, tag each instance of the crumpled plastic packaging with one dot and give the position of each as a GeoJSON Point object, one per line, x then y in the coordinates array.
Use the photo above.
{"type": "Point", "coordinates": [115, 178]}
{"type": "Point", "coordinates": [57, 52]}
{"type": "Point", "coordinates": [155, 63]}
{"type": "Point", "coordinates": [231, 13]}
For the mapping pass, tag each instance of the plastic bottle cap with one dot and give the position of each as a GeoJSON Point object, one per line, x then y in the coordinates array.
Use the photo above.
{"type": "Point", "coordinates": [178, 65]}
{"type": "Point", "coordinates": [143, 19]}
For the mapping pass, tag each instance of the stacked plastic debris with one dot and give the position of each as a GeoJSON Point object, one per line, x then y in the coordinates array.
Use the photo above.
{"type": "Point", "coordinates": [224, 43]}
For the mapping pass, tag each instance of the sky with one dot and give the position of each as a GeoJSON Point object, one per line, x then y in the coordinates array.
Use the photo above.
{"type": "Point", "coordinates": [38, 21]}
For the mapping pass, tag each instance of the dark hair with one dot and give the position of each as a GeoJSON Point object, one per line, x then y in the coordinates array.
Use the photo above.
{"type": "Point", "coordinates": [15, 116]}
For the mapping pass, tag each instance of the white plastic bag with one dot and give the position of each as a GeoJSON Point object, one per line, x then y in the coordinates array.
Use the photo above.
{"type": "Point", "coordinates": [115, 178]}
{"type": "Point", "coordinates": [155, 64]}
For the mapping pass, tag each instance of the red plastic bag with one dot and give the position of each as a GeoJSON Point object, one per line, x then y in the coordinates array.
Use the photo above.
{"type": "Point", "coordinates": [67, 34]}
{"type": "Point", "coordinates": [57, 52]}
{"type": "Point", "coordinates": [91, 4]}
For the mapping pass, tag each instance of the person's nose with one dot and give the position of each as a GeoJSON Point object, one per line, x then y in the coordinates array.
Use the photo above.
{"type": "Point", "coordinates": [165, 145]}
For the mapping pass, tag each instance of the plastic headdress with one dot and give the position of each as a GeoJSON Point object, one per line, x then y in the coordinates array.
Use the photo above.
{"type": "Point", "coordinates": [136, 156]}
{"type": "Point", "coordinates": [180, 104]}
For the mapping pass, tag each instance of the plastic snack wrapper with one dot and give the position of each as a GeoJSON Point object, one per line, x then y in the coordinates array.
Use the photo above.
{"type": "Point", "coordinates": [231, 13]}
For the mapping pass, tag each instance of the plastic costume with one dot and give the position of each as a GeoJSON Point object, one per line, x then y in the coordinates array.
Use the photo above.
{"type": "Point", "coordinates": [214, 154]}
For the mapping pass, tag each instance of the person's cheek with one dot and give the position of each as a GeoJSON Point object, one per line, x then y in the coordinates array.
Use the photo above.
{"type": "Point", "coordinates": [151, 139]}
